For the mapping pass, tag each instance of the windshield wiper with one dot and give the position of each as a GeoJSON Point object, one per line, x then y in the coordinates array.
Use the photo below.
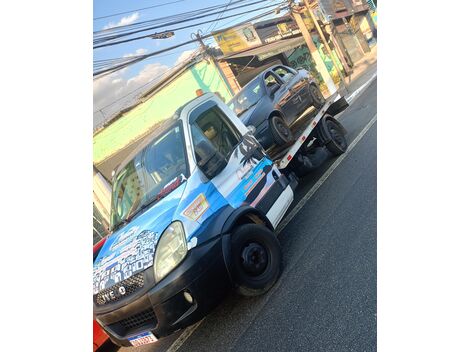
{"type": "Point", "coordinates": [119, 225]}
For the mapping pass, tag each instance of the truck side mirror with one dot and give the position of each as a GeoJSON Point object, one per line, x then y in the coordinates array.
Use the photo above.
{"type": "Point", "coordinates": [209, 160]}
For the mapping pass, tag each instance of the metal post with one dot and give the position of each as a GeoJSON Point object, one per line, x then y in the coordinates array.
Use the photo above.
{"type": "Point", "coordinates": [325, 43]}
{"type": "Point", "coordinates": [339, 46]}
{"type": "Point", "coordinates": [313, 50]}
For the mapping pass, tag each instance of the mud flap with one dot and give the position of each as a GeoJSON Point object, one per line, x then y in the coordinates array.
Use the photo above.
{"type": "Point", "coordinates": [338, 106]}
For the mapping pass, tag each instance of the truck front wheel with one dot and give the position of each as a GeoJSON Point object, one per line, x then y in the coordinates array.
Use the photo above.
{"type": "Point", "coordinates": [256, 256]}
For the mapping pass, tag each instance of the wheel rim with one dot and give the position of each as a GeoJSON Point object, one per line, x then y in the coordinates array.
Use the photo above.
{"type": "Point", "coordinates": [281, 128]}
{"type": "Point", "coordinates": [316, 95]}
{"type": "Point", "coordinates": [254, 258]}
{"type": "Point", "coordinates": [337, 136]}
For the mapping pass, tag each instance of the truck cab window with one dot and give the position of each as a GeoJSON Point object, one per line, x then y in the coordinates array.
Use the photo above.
{"type": "Point", "coordinates": [213, 127]}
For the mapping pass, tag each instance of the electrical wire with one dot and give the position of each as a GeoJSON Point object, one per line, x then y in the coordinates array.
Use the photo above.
{"type": "Point", "coordinates": [218, 18]}
{"type": "Point", "coordinates": [142, 86]}
{"type": "Point", "coordinates": [141, 9]}
{"type": "Point", "coordinates": [143, 26]}
{"type": "Point", "coordinates": [174, 17]}
{"type": "Point", "coordinates": [136, 59]}
{"type": "Point", "coordinates": [183, 27]}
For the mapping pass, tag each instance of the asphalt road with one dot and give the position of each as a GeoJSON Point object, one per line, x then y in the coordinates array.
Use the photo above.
{"type": "Point", "coordinates": [326, 298]}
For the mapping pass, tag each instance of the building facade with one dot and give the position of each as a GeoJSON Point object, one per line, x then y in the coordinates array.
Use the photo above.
{"type": "Point", "coordinates": [275, 41]}
{"type": "Point", "coordinates": [352, 26]}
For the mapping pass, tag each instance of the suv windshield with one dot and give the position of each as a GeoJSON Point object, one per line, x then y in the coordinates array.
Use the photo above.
{"type": "Point", "coordinates": [152, 174]}
{"type": "Point", "coordinates": [247, 97]}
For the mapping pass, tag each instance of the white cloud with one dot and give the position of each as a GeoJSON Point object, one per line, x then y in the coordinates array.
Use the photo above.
{"type": "Point", "coordinates": [140, 51]}
{"type": "Point", "coordinates": [124, 21]}
{"type": "Point", "coordinates": [184, 56]}
{"type": "Point", "coordinates": [110, 88]}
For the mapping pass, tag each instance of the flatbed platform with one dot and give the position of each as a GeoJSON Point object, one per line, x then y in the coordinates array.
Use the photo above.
{"type": "Point", "coordinates": [301, 130]}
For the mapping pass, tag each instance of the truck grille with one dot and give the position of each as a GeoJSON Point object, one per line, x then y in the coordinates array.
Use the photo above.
{"type": "Point", "coordinates": [146, 317]}
{"type": "Point", "coordinates": [131, 285]}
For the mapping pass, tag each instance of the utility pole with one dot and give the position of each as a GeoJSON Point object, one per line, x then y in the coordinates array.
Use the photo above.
{"type": "Point", "coordinates": [294, 10]}
{"type": "Point", "coordinates": [213, 61]}
{"type": "Point", "coordinates": [325, 43]}
{"type": "Point", "coordinates": [341, 50]}
{"type": "Point", "coordinates": [201, 42]}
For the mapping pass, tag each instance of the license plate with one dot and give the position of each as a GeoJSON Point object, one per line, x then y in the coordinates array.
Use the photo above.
{"type": "Point", "coordinates": [143, 339]}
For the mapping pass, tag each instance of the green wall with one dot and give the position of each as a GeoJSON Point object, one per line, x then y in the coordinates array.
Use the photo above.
{"type": "Point", "coordinates": [163, 104]}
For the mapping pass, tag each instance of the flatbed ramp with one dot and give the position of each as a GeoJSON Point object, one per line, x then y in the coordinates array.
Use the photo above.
{"type": "Point", "coordinates": [301, 130]}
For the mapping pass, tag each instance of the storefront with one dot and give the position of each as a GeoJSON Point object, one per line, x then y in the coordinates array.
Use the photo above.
{"type": "Point", "coordinates": [352, 26]}
{"type": "Point", "coordinates": [282, 43]}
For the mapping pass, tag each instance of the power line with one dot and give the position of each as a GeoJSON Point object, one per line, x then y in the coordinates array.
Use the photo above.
{"type": "Point", "coordinates": [218, 18]}
{"type": "Point", "coordinates": [184, 27]}
{"type": "Point", "coordinates": [174, 17]}
{"type": "Point", "coordinates": [141, 9]}
{"type": "Point", "coordinates": [142, 86]}
{"type": "Point", "coordinates": [113, 36]}
{"type": "Point", "coordinates": [149, 25]}
{"type": "Point", "coordinates": [118, 67]}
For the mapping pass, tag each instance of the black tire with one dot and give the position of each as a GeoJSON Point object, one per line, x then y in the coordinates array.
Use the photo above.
{"type": "Point", "coordinates": [280, 131]}
{"type": "Point", "coordinates": [256, 258]}
{"type": "Point", "coordinates": [317, 97]}
{"type": "Point", "coordinates": [338, 143]}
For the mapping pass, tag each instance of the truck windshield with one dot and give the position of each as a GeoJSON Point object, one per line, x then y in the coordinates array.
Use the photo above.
{"type": "Point", "coordinates": [247, 97]}
{"type": "Point", "coordinates": [151, 175]}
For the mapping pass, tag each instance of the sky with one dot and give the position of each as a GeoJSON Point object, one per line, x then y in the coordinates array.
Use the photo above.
{"type": "Point", "coordinates": [109, 89]}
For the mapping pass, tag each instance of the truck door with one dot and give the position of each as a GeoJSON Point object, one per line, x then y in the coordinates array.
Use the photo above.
{"type": "Point", "coordinates": [248, 173]}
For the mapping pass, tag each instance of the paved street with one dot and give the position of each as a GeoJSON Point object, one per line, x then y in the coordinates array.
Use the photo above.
{"type": "Point", "coordinates": [325, 299]}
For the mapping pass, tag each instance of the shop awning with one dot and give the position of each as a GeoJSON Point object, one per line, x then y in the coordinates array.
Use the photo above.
{"type": "Point", "coordinates": [266, 51]}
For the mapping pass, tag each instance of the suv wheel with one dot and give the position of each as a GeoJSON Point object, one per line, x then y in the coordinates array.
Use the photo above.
{"type": "Point", "coordinates": [317, 98]}
{"type": "Point", "coordinates": [280, 131]}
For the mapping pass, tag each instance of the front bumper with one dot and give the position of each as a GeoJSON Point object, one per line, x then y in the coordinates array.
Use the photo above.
{"type": "Point", "coordinates": [163, 309]}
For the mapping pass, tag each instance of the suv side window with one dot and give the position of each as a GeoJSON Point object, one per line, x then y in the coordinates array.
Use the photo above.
{"type": "Point", "coordinates": [284, 73]}
{"type": "Point", "coordinates": [271, 80]}
{"type": "Point", "coordinates": [214, 127]}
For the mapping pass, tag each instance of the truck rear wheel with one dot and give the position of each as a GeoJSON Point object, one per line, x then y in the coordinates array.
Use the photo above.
{"type": "Point", "coordinates": [256, 256]}
{"type": "Point", "coordinates": [337, 144]}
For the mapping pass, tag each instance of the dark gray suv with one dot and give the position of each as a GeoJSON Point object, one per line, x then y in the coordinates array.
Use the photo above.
{"type": "Point", "coordinates": [273, 100]}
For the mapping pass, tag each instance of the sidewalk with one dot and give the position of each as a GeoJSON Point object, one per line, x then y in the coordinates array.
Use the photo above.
{"type": "Point", "coordinates": [363, 71]}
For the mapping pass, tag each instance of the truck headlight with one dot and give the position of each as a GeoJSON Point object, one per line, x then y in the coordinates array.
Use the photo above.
{"type": "Point", "coordinates": [171, 250]}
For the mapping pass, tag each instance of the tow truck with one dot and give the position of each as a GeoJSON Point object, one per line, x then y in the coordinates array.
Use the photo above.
{"type": "Point", "coordinates": [193, 215]}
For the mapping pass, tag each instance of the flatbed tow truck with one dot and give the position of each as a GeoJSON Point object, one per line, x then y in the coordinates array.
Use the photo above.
{"type": "Point", "coordinates": [193, 215]}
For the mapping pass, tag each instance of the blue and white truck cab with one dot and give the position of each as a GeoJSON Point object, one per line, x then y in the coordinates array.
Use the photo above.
{"type": "Point", "coordinates": [193, 214]}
